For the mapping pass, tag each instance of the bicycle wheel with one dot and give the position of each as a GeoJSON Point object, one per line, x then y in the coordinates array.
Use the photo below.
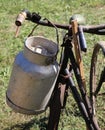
{"type": "Point", "coordinates": [97, 83]}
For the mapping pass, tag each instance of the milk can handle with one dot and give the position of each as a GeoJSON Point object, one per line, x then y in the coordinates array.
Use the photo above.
{"type": "Point", "coordinates": [57, 35]}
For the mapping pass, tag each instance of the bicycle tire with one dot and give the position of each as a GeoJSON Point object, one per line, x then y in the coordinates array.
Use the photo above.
{"type": "Point", "coordinates": [97, 86]}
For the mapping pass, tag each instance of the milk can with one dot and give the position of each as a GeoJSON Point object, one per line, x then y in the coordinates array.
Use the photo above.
{"type": "Point", "coordinates": [33, 76]}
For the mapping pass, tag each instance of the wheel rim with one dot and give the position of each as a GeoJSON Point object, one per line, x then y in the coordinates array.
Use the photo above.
{"type": "Point", "coordinates": [98, 100]}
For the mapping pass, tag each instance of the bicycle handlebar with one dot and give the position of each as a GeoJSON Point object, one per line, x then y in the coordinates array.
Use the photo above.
{"type": "Point", "coordinates": [36, 18]}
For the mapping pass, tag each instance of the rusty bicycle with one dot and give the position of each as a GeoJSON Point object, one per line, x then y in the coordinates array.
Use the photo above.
{"type": "Point", "coordinates": [91, 106]}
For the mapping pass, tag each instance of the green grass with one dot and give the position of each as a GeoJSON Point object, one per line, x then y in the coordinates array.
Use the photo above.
{"type": "Point", "coordinates": [56, 10]}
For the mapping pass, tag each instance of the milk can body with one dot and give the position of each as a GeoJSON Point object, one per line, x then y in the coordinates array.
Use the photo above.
{"type": "Point", "coordinates": [33, 76]}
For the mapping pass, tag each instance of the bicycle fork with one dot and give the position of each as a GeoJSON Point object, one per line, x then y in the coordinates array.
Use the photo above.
{"type": "Point", "coordinates": [85, 105]}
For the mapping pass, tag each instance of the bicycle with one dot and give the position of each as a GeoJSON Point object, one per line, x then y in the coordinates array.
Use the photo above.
{"type": "Point", "coordinates": [73, 43]}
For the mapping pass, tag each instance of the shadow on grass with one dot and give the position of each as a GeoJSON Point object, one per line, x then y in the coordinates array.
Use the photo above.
{"type": "Point", "coordinates": [28, 125]}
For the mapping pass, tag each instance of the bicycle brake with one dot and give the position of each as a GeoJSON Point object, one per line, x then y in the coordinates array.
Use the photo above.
{"type": "Point", "coordinates": [35, 17]}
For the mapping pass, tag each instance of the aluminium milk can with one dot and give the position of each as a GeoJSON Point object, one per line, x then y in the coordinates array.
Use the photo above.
{"type": "Point", "coordinates": [33, 76]}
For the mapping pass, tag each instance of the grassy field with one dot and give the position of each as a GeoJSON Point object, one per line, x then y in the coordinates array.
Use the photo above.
{"type": "Point", "coordinates": [58, 11]}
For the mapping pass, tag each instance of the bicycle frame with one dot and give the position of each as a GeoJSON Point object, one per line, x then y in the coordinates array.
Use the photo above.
{"type": "Point", "coordinates": [83, 102]}
{"type": "Point", "coordinates": [76, 63]}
